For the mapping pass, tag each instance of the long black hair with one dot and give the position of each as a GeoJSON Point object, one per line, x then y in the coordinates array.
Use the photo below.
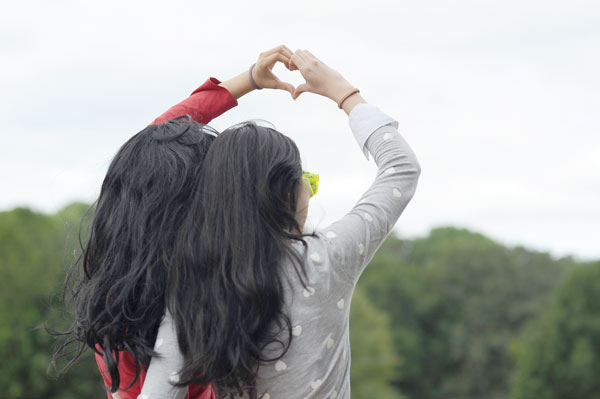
{"type": "Point", "coordinates": [226, 286]}
{"type": "Point", "coordinates": [117, 285]}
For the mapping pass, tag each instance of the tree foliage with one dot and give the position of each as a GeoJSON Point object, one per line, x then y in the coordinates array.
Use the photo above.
{"type": "Point", "coordinates": [373, 356]}
{"type": "Point", "coordinates": [559, 354]}
{"type": "Point", "coordinates": [450, 315]}
{"type": "Point", "coordinates": [32, 270]}
{"type": "Point", "coordinates": [456, 299]}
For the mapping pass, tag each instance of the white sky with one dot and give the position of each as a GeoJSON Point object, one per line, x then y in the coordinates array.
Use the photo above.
{"type": "Point", "coordinates": [499, 100]}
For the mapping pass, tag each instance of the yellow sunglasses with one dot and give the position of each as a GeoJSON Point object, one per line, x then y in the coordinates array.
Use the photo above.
{"type": "Point", "coordinates": [312, 180]}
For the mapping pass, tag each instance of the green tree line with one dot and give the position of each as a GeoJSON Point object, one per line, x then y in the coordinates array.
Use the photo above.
{"type": "Point", "coordinates": [450, 315]}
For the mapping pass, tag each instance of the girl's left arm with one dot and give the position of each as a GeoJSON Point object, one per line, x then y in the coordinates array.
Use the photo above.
{"type": "Point", "coordinates": [204, 104]}
{"type": "Point", "coordinates": [214, 97]}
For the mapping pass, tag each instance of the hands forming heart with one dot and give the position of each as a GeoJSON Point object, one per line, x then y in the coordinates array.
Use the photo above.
{"type": "Point", "coordinates": [320, 78]}
{"type": "Point", "coordinates": [263, 70]}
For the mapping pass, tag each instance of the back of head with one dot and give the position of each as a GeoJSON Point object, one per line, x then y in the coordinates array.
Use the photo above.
{"type": "Point", "coordinates": [226, 291]}
{"type": "Point", "coordinates": [119, 299]}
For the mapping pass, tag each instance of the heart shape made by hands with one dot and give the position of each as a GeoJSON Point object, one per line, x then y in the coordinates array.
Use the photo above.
{"type": "Point", "coordinates": [294, 78]}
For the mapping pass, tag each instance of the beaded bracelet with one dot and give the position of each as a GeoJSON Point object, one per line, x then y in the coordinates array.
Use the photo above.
{"type": "Point", "coordinates": [346, 96]}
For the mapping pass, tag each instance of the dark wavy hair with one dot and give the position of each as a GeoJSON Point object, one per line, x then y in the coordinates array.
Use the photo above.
{"type": "Point", "coordinates": [225, 286]}
{"type": "Point", "coordinates": [117, 285]}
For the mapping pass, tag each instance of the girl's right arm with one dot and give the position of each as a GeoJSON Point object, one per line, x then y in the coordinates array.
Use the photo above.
{"type": "Point", "coordinates": [353, 240]}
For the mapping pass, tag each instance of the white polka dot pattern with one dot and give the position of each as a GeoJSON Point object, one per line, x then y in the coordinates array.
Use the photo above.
{"type": "Point", "coordinates": [280, 365]}
{"type": "Point", "coordinates": [315, 384]}
{"type": "Point", "coordinates": [174, 377]}
{"type": "Point", "coordinates": [340, 304]}
{"type": "Point", "coordinates": [396, 193]}
{"type": "Point", "coordinates": [367, 217]}
{"type": "Point", "coordinates": [361, 249]}
{"type": "Point", "coordinates": [330, 343]}
{"type": "Point", "coordinates": [309, 291]}
{"type": "Point", "coordinates": [315, 257]}
{"type": "Point", "coordinates": [297, 331]}
{"type": "Point", "coordinates": [331, 234]}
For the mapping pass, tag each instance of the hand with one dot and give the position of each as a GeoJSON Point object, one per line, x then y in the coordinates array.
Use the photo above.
{"type": "Point", "coordinates": [262, 74]}
{"type": "Point", "coordinates": [320, 79]}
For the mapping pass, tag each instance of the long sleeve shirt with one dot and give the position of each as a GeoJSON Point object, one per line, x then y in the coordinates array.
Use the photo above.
{"type": "Point", "coordinates": [317, 364]}
{"type": "Point", "coordinates": [204, 104]}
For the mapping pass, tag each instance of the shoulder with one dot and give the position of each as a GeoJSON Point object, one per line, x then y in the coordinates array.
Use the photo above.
{"type": "Point", "coordinates": [320, 258]}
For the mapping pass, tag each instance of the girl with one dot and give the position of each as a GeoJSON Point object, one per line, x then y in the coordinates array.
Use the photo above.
{"type": "Point", "coordinates": [256, 307]}
{"type": "Point", "coordinates": [119, 299]}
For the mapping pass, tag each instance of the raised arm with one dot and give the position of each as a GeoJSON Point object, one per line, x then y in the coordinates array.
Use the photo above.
{"type": "Point", "coordinates": [361, 231]}
{"type": "Point", "coordinates": [353, 240]}
{"type": "Point", "coordinates": [214, 97]}
{"type": "Point", "coordinates": [203, 105]}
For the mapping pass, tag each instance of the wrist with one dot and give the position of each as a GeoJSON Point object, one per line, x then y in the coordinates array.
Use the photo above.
{"type": "Point", "coordinates": [345, 96]}
{"type": "Point", "coordinates": [339, 90]}
{"type": "Point", "coordinates": [351, 102]}
{"type": "Point", "coordinates": [251, 78]}
{"type": "Point", "coordinates": [238, 85]}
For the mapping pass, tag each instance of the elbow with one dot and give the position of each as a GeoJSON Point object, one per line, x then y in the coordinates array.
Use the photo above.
{"type": "Point", "coordinates": [415, 174]}
{"type": "Point", "coordinates": [412, 163]}
{"type": "Point", "coordinates": [416, 168]}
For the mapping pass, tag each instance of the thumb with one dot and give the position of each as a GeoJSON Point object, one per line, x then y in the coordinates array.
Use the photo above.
{"type": "Point", "coordinates": [286, 86]}
{"type": "Point", "coordinates": [299, 90]}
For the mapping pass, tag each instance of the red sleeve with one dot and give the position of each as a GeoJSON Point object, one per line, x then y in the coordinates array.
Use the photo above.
{"type": "Point", "coordinates": [104, 371]}
{"type": "Point", "coordinates": [127, 374]}
{"type": "Point", "coordinates": [203, 105]}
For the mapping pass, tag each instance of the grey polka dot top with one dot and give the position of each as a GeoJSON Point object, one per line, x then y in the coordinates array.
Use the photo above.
{"type": "Point", "coordinates": [317, 364]}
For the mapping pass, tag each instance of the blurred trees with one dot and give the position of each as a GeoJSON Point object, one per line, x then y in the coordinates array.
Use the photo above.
{"type": "Point", "coordinates": [374, 359]}
{"type": "Point", "coordinates": [559, 355]}
{"type": "Point", "coordinates": [456, 299]}
{"type": "Point", "coordinates": [454, 314]}
{"type": "Point", "coordinates": [31, 276]}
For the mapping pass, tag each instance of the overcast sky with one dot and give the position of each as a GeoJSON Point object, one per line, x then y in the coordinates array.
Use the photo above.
{"type": "Point", "coordinates": [499, 101]}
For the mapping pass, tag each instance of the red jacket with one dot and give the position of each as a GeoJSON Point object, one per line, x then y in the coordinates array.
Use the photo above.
{"type": "Point", "coordinates": [204, 104]}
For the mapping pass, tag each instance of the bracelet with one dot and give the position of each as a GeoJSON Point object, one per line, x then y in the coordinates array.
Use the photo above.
{"type": "Point", "coordinates": [346, 96]}
{"type": "Point", "coordinates": [252, 80]}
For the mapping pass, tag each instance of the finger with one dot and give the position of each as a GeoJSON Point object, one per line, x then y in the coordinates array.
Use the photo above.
{"type": "Point", "coordinates": [299, 90]}
{"type": "Point", "coordinates": [285, 86]}
{"type": "Point", "coordinates": [286, 51]}
{"type": "Point", "coordinates": [303, 54]}
{"type": "Point", "coordinates": [294, 60]}
{"type": "Point", "coordinates": [273, 58]}
{"type": "Point", "coordinates": [293, 67]}
{"type": "Point", "coordinates": [312, 55]}
{"type": "Point", "coordinates": [299, 60]}
{"type": "Point", "coordinates": [279, 49]}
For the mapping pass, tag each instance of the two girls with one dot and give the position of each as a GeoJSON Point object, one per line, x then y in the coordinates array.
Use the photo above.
{"type": "Point", "coordinates": [253, 305]}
